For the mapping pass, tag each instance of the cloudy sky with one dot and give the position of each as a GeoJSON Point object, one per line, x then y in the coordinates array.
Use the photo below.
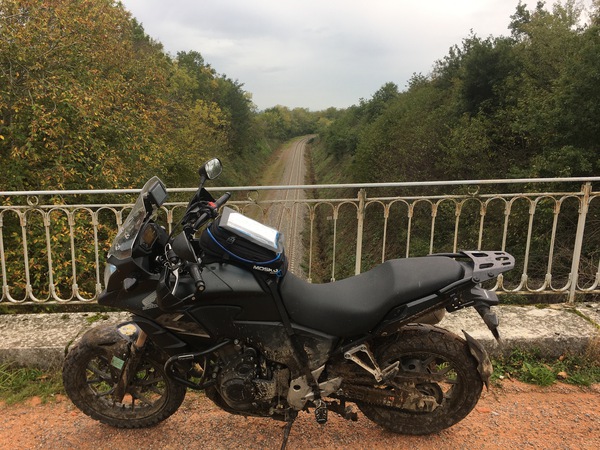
{"type": "Point", "coordinates": [319, 53]}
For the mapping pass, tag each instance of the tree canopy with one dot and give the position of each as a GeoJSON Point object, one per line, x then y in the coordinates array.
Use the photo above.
{"type": "Point", "coordinates": [524, 105]}
{"type": "Point", "coordinates": [89, 100]}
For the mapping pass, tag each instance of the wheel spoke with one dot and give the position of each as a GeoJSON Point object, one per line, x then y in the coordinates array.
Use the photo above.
{"type": "Point", "coordinates": [104, 376]}
{"type": "Point", "coordinates": [103, 394]}
{"type": "Point", "coordinates": [155, 389]}
{"type": "Point", "coordinates": [147, 382]}
{"type": "Point", "coordinates": [142, 398]}
{"type": "Point", "coordinates": [94, 380]}
{"type": "Point", "coordinates": [447, 375]}
{"type": "Point", "coordinates": [428, 361]}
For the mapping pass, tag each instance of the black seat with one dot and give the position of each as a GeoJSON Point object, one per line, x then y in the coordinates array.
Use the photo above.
{"type": "Point", "coordinates": [355, 305]}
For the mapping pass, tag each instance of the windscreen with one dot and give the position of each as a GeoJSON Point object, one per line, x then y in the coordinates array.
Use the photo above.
{"type": "Point", "coordinates": [122, 246]}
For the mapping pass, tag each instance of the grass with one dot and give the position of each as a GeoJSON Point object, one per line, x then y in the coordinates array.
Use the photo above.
{"type": "Point", "coordinates": [97, 317]}
{"type": "Point", "coordinates": [530, 367]}
{"type": "Point", "coordinates": [20, 384]}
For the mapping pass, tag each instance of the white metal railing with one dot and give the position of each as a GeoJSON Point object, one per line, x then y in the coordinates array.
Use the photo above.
{"type": "Point", "coordinates": [52, 243]}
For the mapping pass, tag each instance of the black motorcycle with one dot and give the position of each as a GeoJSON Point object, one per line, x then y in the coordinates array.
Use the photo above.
{"type": "Point", "coordinates": [218, 312]}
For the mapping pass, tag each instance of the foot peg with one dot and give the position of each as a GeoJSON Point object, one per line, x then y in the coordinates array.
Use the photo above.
{"type": "Point", "coordinates": [321, 412]}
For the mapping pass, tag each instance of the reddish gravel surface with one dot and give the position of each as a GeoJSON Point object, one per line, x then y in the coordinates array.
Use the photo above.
{"type": "Point", "coordinates": [513, 415]}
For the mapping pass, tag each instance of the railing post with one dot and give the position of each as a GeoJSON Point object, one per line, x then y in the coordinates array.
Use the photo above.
{"type": "Point", "coordinates": [434, 208]}
{"type": "Point", "coordinates": [335, 219]}
{"type": "Point", "coordinates": [360, 214]}
{"type": "Point", "coordinates": [586, 190]}
{"type": "Point", "coordinates": [311, 215]}
{"type": "Point", "coordinates": [2, 263]}
{"type": "Point", "coordinates": [386, 216]}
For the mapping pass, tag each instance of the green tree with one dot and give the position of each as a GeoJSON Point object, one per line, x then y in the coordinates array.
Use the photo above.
{"type": "Point", "coordinates": [75, 97]}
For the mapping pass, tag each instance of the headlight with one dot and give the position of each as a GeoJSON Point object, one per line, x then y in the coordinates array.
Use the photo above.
{"type": "Point", "coordinates": [109, 269]}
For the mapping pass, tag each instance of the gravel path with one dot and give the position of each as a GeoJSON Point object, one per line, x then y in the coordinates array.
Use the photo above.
{"type": "Point", "coordinates": [512, 415]}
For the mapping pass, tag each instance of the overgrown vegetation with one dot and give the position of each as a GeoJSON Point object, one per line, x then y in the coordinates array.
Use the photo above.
{"type": "Point", "coordinates": [89, 100]}
{"type": "Point", "coordinates": [531, 367]}
{"type": "Point", "coordinates": [524, 105]}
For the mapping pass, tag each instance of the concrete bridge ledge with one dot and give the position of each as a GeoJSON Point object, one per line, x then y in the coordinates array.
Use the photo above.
{"type": "Point", "coordinates": [39, 340]}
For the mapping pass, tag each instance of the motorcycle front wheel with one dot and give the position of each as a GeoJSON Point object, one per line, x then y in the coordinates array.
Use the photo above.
{"type": "Point", "coordinates": [90, 376]}
{"type": "Point", "coordinates": [438, 364]}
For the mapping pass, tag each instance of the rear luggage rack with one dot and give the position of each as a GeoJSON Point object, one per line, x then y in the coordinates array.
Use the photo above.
{"type": "Point", "coordinates": [486, 264]}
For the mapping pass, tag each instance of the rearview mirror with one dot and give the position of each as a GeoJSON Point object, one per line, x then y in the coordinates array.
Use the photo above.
{"type": "Point", "coordinates": [211, 169]}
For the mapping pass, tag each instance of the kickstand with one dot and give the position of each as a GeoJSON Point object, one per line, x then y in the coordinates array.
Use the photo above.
{"type": "Point", "coordinates": [286, 431]}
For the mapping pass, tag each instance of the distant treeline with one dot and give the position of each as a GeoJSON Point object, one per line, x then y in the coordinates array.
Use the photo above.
{"type": "Point", "coordinates": [524, 105]}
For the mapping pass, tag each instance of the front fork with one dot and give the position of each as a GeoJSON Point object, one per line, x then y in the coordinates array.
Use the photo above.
{"type": "Point", "coordinates": [130, 366]}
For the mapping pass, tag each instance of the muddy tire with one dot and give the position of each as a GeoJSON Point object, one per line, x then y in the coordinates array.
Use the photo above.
{"type": "Point", "coordinates": [90, 377]}
{"type": "Point", "coordinates": [441, 365]}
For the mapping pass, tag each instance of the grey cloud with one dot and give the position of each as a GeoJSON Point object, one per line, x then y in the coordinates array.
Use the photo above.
{"type": "Point", "coordinates": [317, 53]}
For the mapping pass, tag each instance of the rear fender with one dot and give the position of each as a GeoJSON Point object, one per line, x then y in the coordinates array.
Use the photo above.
{"type": "Point", "coordinates": [482, 300]}
{"type": "Point", "coordinates": [484, 365]}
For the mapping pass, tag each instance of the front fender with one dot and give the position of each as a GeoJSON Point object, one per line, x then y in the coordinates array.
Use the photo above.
{"type": "Point", "coordinates": [110, 337]}
{"type": "Point", "coordinates": [101, 335]}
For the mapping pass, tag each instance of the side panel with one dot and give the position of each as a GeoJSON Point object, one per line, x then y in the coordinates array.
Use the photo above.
{"type": "Point", "coordinates": [226, 285]}
{"type": "Point", "coordinates": [233, 306]}
{"type": "Point", "coordinates": [232, 286]}
{"type": "Point", "coordinates": [139, 299]}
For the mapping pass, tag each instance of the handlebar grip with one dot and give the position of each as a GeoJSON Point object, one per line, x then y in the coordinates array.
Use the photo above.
{"type": "Point", "coordinates": [197, 276]}
{"type": "Point", "coordinates": [217, 204]}
{"type": "Point", "coordinates": [222, 199]}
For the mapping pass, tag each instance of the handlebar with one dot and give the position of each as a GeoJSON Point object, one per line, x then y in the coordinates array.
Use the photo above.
{"type": "Point", "coordinates": [212, 210]}
{"type": "Point", "coordinates": [196, 274]}
{"type": "Point", "coordinates": [222, 199]}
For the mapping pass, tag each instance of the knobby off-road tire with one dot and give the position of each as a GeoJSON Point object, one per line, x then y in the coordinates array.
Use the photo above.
{"type": "Point", "coordinates": [427, 351]}
{"type": "Point", "coordinates": [90, 378]}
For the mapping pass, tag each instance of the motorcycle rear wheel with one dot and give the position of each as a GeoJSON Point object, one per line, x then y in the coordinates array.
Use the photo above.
{"type": "Point", "coordinates": [90, 377]}
{"type": "Point", "coordinates": [442, 367]}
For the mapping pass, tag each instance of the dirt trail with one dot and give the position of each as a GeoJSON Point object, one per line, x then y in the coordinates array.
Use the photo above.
{"type": "Point", "coordinates": [513, 415]}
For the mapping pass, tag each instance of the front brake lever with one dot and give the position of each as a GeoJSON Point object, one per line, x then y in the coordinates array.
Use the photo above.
{"type": "Point", "coordinates": [176, 273]}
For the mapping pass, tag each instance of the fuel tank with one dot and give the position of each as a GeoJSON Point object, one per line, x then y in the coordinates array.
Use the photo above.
{"type": "Point", "coordinates": [231, 286]}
